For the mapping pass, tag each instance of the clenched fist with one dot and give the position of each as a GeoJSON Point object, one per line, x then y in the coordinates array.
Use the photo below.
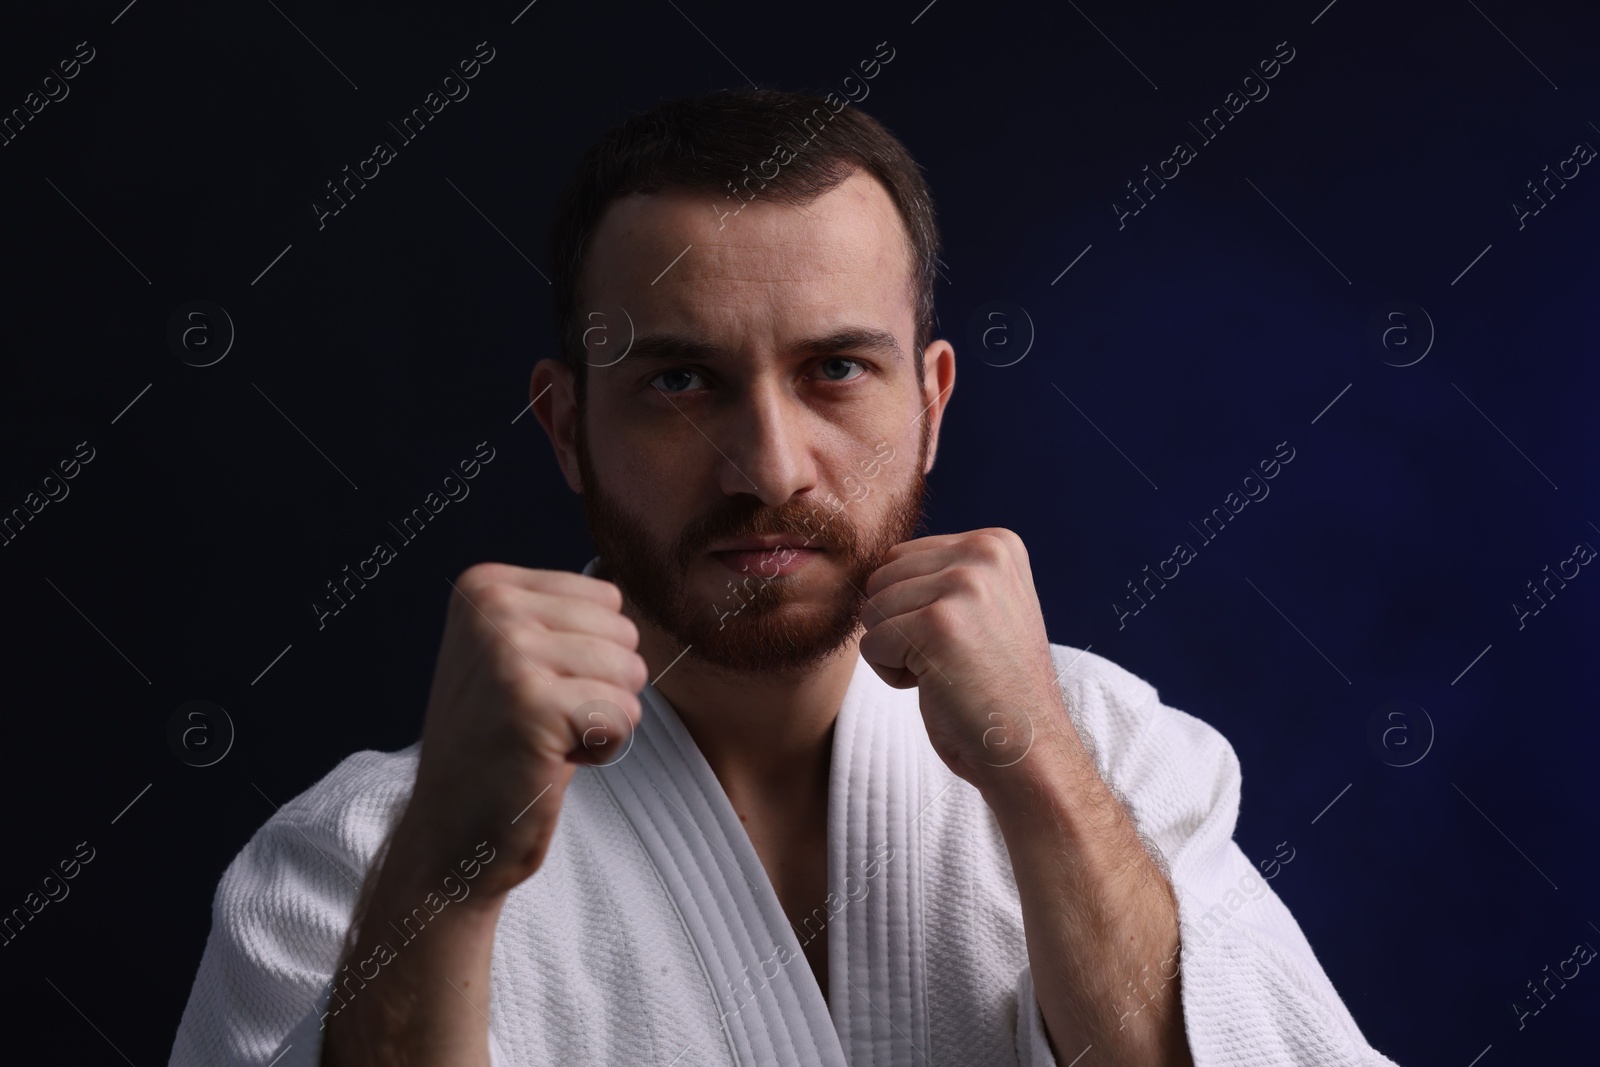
{"type": "Point", "coordinates": [538, 671]}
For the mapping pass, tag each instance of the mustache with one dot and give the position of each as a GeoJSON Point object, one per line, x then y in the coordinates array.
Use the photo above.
{"type": "Point", "coordinates": [820, 525]}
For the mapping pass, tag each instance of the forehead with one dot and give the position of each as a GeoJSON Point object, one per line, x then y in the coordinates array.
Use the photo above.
{"type": "Point", "coordinates": [680, 260]}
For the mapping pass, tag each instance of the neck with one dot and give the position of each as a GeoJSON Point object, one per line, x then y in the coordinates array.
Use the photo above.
{"type": "Point", "coordinates": [765, 736]}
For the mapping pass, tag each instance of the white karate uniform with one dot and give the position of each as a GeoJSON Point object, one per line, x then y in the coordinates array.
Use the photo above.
{"type": "Point", "coordinates": [652, 935]}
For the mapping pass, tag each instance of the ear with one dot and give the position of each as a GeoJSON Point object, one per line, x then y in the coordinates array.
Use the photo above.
{"type": "Point", "coordinates": [938, 381]}
{"type": "Point", "coordinates": [555, 405]}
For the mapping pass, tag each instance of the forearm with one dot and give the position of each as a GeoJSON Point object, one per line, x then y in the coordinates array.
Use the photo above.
{"type": "Point", "coordinates": [1100, 919]}
{"type": "Point", "coordinates": [414, 989]}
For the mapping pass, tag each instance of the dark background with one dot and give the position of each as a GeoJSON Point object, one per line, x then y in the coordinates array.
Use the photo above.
{"type": "Point", "coordinates": [1221, 320]}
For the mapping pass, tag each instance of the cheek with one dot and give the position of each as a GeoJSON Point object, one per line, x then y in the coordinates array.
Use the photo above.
{"type": "Point", "coordinates": [661, 485]}
{"type": "Point", "coordinates": [653, 486]}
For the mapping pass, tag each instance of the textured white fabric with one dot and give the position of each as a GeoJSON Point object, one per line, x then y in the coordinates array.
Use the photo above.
{"type": "Point", "coordinates": [652, 935]}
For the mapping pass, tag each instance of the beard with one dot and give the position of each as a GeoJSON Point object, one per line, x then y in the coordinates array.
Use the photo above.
{"type": "Point", "coordinates": [770, 634]}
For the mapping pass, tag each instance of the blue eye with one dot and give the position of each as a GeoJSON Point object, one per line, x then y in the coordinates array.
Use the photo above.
{"type": "Point", "coordinates": [679, 374]}
{"type": "Point", "coordinates": [676, 371]}
{"type": "Point", "coordinates": [841, 359]}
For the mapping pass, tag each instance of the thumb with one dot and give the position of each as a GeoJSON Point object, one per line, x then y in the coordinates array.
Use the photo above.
{"type": "Point", "coordinates": [898, 677]}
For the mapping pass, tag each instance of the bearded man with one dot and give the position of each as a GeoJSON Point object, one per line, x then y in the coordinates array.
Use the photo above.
{"type": "Point", "coordinates": [774, 780]}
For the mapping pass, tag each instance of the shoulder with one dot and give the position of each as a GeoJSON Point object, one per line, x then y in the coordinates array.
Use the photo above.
{"type": "Point", "coordinates": [359, 792]}
{"type": "Point", "coordinates": [282, 907]}
{"type": "Point", "coordinates": [1170, 768]}
{"type": "Point", "coordinates": [1124, 713]}
{"type": "Point", "coordinates": [306, 861]}
{"type": "Point", "coordinates": [349, 809]}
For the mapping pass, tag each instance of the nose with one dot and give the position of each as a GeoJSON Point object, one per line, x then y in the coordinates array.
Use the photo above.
{"type": "Point", "coordinates": [767, 446]}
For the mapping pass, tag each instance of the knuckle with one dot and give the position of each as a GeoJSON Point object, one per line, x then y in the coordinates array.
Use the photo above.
{"type": "Point", "coordinates": [994, 543]}
{"type": "Point", "coordinates": [497, 598]}
{"type": "Point", "coordinates": [631, 704]}
{"type": "Point", "coordinates": [620, 665]}
{"type": "Point", "coordinates": [941, 614]}
{"type": "Point", "coordinates": [614, 699]}
{"type": "Point", "coordinates": [968, 579]}
{"type": "Point", "coordinates": [479, 575]}
{"type": "Point", "coordinates": [611, 595]}
{"type": "Point", "coordinates": [471, 575]}
{"type": "Point", "coordinates": [1011, 542]}
{"type": "Point", "coordinates": [597, 710]}
{"type": "Point", "coordinates": [518, 653]}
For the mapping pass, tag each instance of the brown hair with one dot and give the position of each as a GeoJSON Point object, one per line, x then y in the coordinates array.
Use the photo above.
{"type": "Point", "coordinates": [718, 142]}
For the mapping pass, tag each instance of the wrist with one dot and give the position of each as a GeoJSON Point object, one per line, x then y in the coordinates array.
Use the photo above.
{"type": "Point", "coordinates": [1037, 786]}
{"type": "Point", "coordinates": [416, 874]}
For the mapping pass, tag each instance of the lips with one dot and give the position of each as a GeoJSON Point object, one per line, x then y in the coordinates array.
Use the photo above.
{"type": "Point", "coordinates": [766, 543]}
{"type": "Point", "coordinates": [766, 562]}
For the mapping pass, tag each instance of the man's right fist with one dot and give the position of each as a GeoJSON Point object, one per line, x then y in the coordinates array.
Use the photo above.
{"type": "Point", "coordinates": [538, 670]}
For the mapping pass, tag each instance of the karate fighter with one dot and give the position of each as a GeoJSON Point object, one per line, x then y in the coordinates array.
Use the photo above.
{"type": "Point", "coordinates": [775, 779]}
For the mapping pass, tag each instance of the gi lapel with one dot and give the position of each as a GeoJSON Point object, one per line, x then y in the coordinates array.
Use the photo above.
{"type": "Point", "coordinates": [772, 1009]}
{"type": "Point", "coordinates": [875, 921]}
{"type": "Point", "coordinates": [877, 977]}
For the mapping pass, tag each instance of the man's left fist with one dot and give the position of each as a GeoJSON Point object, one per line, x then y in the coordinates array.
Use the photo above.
{"type": "Point", "coordinates": [957, 616]}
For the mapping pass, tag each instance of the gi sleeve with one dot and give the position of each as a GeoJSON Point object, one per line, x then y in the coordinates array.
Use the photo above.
{"type": "Point", "coordinates": [1252, 990]}
{"type": "Point", "coordinates": [266, 979]}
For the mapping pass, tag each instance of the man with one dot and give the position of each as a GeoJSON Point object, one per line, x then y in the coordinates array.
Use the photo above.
{"type": "Point", "coordinates": [774, 780]}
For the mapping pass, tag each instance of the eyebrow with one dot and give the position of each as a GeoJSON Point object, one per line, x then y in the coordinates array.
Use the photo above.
{"type": "Point", "coordinates": [668, 347]}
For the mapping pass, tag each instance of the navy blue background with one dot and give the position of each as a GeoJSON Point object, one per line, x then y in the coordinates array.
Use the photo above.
{"type": "Point", "coordinates": [1221, 320]}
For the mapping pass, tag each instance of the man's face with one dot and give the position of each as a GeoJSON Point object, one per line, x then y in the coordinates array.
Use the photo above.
{"type": "Point", "coordinates": [727, 419]}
